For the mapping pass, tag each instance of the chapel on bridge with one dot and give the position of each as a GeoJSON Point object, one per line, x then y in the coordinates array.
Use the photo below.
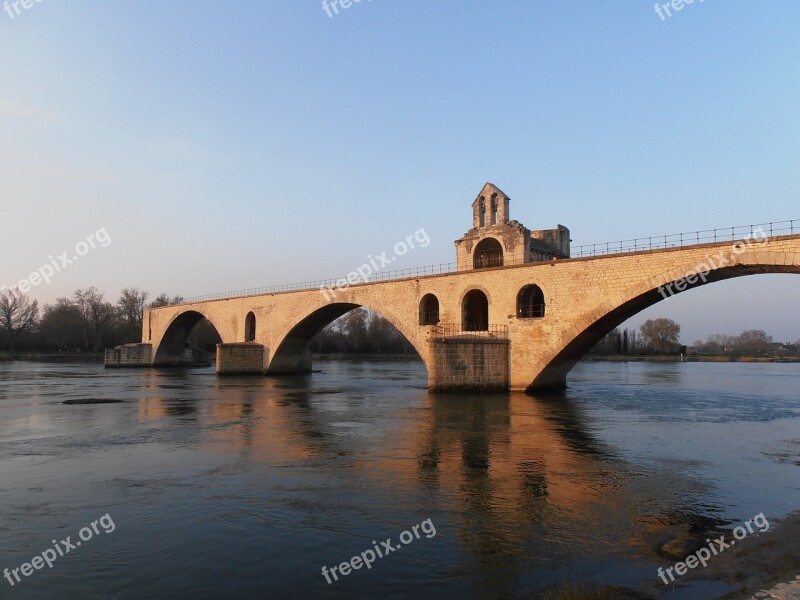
{"type": "Point", "coordinates": [496, 241]}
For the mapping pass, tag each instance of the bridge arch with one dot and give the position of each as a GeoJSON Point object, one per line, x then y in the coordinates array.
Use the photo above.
{"type": "Point", "coordinates": [594, 324]}
{"type": "Point", "coordinates": [173, 347]}
{"type": "Point", "coordinates": [292, 353]}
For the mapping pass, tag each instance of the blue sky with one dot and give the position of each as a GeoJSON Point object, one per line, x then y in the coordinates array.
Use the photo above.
{"type": "Point", "coordinates": [234, 145]}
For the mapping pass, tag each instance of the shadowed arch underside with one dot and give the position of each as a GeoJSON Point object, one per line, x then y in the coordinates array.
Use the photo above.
{"type": "Point", "coordinates": [575, 343]}
{"type": "Point", "coordinates": [175, 349]}
{"type": "Point", "coordinates": [293, 354]}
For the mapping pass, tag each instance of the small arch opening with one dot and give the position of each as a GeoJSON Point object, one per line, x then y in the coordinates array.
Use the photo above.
{"type": "Point", "coordinates": [429, 310]}
{"type": "Point", "coordinates": [494, 209]}
{"type": "Point", "coordinates": [250, 327]}
{"type": "Point", "coordinates": [475, 312]}
{"type": "Point", "coordinates": [482, 211]}
{"type": "Point", "coordinates": [488, 253]}
{"type": "Point", "coordinates": [530, 302]}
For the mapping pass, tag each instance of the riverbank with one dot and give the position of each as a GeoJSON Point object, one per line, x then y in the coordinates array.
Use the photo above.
{"type": "Point", "coordinates": [768, 561]}
{"type": "Point", "coordinates": [53, 356]}
{"type": "Point", "coordinates": [761, 566]}
{"type": "Point", "coordinates": [789, 590]}
{"type": "Point", "coordinates": [692, 358]}
{"type": "Point", "coordinates": [401, 357]}
{"type": "Point", "coordinates": [761, 563]}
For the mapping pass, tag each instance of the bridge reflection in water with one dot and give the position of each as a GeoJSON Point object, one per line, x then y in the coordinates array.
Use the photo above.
{"type": "Point", "coordinates": [518, 485]}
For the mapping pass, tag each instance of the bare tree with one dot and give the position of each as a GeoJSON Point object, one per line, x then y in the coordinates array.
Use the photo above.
{"type": "Point", "coordinates": [384, 337]}
{"type": "Point", "coordinates": [62, 325]}
{"type": "Point", "coordinates": [17, 315]}
{"type": "Point", "coordinates": [164, 300]}
{"type": "Point", "coordinates": [354, 325]}
{"type": "Point", "coordinates": [610, 344]}
{"type": "Point", "coordinates": [130, 311]}
{"type": "Point", "coordinates": [661, 334]}
{"type": "Point", "coordinates": [97, 315]}
{"type": "Point", "coordinates": [754, 341]}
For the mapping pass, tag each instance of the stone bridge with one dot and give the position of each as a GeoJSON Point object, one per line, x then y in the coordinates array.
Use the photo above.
{"type": "Point", "coordinates": [516, 314]}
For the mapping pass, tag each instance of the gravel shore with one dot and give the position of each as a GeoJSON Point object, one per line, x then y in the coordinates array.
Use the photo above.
{"type": "Point", "coordinates": [783, 591]}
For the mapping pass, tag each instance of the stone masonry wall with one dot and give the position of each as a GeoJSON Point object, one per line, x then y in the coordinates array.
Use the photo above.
{"type": "Point", "coordinates": [130, 355]}
{"type": "Point", "coordinates": [240, 359]}
{"type": "Point", "coordinates": [463, 364]}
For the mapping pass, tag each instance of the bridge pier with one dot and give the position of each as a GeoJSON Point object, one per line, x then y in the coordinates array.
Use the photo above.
{"type": "Point", "coordinates": [129, 355]}
{"type": "Point", "coordinates": [141, 355]}
{"type": "Point", "coordinates": [243, 358]}
{"type": "Point", "coordinates": [468, 362]}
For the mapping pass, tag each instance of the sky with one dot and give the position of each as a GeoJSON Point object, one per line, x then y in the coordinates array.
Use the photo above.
{"type": "Point", "coordinates": [222, 146]}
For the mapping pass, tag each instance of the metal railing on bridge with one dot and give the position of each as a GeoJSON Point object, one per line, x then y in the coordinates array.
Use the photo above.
{"type": "Point", "coordinates": [675, 240]}
{"type": "Point", "coordinates": [470, 330]}
{"type": "Point", "coordinates": [327, 284]}
{"type": "Point", "coordinates": [692, 238]}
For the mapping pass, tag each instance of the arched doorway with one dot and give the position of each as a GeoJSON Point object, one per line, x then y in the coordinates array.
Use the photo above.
{"type": "Point", "coordinates": [429, 310]}
{"type": "Point", "coordinates": [530, 302]}
{"type": "Point", "coordinates": [475, 311]}
{"type": "Point", "coordinates": [250, 327]}
{"type": "Point", "coordinates": [488, 253]}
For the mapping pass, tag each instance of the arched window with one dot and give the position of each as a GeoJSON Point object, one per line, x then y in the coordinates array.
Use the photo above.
{"type": "Point", "coordinates": [530, 302]}
{"type": "Point", "coordinates": [475, 312]}
{"type": "Point", "coordinates": [250, 327]}
{"type": "Point", "coordinates": [482, 211]}
{"type": "Point", "coordinates": [488, 253]}
{"type": "Point", "coordinates": [429, 310]}
{"type": "Point", "coordinates": [494, 209]}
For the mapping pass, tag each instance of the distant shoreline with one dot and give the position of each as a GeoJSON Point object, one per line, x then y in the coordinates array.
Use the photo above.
{"type": "Point", "coordinates": [71, 356]}
{"type": "Point", "coordinates": [338, 356]}
{"type": "Point", "coordinates": [692, 358]}
{"type": "Point", "coordinates": [99, 356]}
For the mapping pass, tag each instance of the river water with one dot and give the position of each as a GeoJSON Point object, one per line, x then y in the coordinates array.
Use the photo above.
{"type": "Point", "coordinates": [247, 487]}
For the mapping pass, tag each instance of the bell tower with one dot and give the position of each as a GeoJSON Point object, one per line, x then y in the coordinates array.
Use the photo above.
{"type": "Point", "coordinates": [490, 207]}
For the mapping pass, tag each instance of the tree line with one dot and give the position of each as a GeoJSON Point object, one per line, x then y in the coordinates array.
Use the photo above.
{"type": "Point", "coordinates": [85, 322]}
{"type": "Point", "coordinates": [361, 332]}
{"type": "Point", "coordinates": [753, 342]}
{"type": "Point", "coordinates": [662, 336]}
{"type": "Point", "coordinates": [655, 336]}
